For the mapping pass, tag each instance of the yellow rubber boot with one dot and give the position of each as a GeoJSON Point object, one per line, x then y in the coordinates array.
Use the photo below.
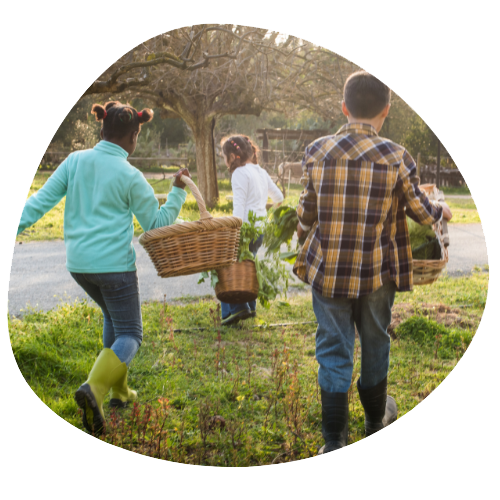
{"type": "Point", "coordinates": [106, 372]}
{"type": "Point", "coordinates": [121, 394]}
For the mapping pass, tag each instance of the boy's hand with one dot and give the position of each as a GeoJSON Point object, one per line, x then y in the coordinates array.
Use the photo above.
{"type": "Point", "coordinates": [300, 231]}
{"type": "Point", "coordinates": [177, 179]}
{"type": "Point", "coordinates": [447, 215]}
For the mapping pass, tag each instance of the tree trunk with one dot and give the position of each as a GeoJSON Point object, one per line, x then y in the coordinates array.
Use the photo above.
{"type": "Point", "coordinates": [203, 132]}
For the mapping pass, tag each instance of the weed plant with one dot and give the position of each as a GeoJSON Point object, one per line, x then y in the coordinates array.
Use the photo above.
{"type": "Point", "coordinates": [232, 396]}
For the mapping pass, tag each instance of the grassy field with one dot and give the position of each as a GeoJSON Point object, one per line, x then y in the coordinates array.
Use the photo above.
{"type": "Point", "coordinates": [239, 396]}
{"type": "Point", "coordinates": [451, 190]}
{"type": "Point", "coordinates": [464, 211]}
{"type": "Point", "coordinates": [50, 226]}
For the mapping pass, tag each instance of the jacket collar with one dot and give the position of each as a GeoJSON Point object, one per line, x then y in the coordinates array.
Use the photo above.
{"type": "Point", "coordinates": [110, 148]}
{"type": "Point", "coordinates": [357, 128]}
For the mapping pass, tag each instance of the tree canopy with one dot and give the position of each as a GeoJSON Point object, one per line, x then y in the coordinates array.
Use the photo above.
{"type": "Point", "coordinates": [201, 73]}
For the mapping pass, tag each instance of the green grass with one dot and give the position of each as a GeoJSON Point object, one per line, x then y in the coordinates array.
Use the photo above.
{"type": "Point", "coordinates": [455, 190]}
{"type": "Point", "coordinates": [232, 397]}
{"type": "Point", "coordinates": [50, 226]}
{"type": "Point", "coordinates": [464, 211]}
{"type": "Point", "coordinates": [469, 292]}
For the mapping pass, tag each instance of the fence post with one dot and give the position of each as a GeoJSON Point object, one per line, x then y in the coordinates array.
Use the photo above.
{"type": "Point", "coordinates": [438, 168]}
{"type": "Point", "coordinates": [265, 146]}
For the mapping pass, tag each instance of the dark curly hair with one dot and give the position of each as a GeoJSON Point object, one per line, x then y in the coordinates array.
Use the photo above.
{"type": "Point", "coordinates": [119, 119]}
{"type": "Point", "coordinates": [243, 148]}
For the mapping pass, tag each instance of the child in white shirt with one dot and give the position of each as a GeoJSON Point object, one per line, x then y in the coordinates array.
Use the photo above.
{"type": "Point", "coordinates": [251, 186]}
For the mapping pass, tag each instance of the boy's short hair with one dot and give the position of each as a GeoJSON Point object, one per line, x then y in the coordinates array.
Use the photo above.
{"type": "Point", "coordinates": [365, 96]}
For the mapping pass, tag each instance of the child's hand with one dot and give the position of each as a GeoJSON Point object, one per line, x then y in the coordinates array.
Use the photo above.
{"type": "Point", "coordinates": [177, 179]}
{"type": "Point", "coordinates": [447, 215]}
{"type": "Point", "coordinates": [300, 231]}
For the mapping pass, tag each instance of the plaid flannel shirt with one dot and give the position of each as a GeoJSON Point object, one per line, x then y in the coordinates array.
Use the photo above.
{"type": "Point", "coordinates": [356, 188]}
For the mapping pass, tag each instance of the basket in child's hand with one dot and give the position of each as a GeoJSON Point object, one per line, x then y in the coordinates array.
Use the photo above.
{"type": "Point", "coordinates": [237, 283]}
{"type": "Point", "coordinates": [426, 272]}
{"type": "Point", "coordinates": [192, 247]}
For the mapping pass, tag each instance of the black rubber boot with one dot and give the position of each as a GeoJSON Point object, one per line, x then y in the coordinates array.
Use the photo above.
{"type": "Point", "coordinates": [380, 409]}
{"type": "Point", "coordinates": [335, 420]}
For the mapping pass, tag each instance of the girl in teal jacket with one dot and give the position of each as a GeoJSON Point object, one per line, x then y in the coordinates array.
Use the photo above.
{"type": "Point", "coordinates": [103, 192]}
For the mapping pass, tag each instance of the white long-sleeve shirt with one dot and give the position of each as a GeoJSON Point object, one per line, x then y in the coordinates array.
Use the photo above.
{"type": "Point", "coordinates": [251, 187]}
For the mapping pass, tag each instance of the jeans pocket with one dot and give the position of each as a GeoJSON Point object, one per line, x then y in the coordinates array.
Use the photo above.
{"type": "Point", "coordinates": [108, 281]}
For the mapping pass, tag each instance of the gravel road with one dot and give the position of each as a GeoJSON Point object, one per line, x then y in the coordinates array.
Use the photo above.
{"type": "Point", "coordinates": [39, 276]}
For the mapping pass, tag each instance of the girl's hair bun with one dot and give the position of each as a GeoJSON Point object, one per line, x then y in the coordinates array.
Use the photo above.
{"type": "Point", "coordinates": [99, 112]}
{"type": "Point", "coordinates": [126, 115]}
{"type": "Point", "coordinates": [145, 116]}
{"type": "Point", "coordinates": [111, 104]}
{"type": "Point", "coordinates": [120, 119]}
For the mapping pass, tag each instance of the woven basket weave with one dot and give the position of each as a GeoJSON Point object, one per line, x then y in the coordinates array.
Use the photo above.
{"type": "Point", "coordinates": [193, 247]}
{"type": "Point", "coordinates": [237, 283]}
{"type": "Point", "coordinates": [426, 272]}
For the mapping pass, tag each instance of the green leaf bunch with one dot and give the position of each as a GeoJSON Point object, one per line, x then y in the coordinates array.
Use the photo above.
{"type": "Point", "coordinates": [249, 232]}
{"type": "Point", "coordinates": [423, 241]}
{"type": "Point", "coordinates": [272, 276]}
{"type": "Point", "coordinates": [212, 275]}
{"type": "Point", "coordinates": [280, 228]}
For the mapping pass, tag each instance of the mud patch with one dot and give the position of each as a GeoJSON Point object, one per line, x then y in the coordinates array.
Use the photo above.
{"type": "Point", "coordinates": [441, 313]}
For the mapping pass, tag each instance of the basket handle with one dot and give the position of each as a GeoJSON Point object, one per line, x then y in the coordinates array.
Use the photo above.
{"type": "Point", "coordinates": [197, 196]}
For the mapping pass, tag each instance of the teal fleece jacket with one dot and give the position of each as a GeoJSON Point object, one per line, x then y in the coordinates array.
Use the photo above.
{"type": "Point", "coordinates": [102, 192]}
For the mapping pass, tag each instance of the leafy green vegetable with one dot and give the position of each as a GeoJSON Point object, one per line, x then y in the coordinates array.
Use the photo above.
{"type": "Point", "coordinates": [249, 232]}
{"type": "Point", "coordinates": [423, 241]}
{"type": "Point", "coordinates": [289, 257]}
{"type": "Point", "coordinates": [214, 277]}
{"type": "Point", "coordinates": [430, 250]}
{"type": "Point", "coordinates": [272, 274]}
{"type": "Point", "coordinates": [280, 228]}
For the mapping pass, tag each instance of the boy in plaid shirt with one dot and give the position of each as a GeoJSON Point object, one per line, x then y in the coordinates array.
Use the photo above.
{"type": "Point", "coordinates": [358, 189]}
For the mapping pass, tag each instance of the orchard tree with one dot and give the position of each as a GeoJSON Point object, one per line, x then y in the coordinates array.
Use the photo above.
{"type": "Point", "coordinates": [203, 72]}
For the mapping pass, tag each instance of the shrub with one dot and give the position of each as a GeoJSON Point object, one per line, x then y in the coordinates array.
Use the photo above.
{"type": "Point", "coordinates": [429, 333]}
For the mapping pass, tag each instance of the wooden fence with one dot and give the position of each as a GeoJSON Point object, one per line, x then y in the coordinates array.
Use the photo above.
{"type": "Point", "coordinates": [447, 176]}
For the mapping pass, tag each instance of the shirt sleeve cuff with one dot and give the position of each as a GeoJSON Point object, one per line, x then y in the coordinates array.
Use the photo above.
{"type": "Point", "coordinates": [304, 227]}
{"type": "Point", "coordinates": [439, 206]}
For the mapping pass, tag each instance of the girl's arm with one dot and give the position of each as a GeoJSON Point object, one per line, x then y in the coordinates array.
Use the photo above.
{"type": "Point", "coordinates": [144, 205]}
{"type": "Point", "coordinates": [46, 198]}
{"type": "Point", "coordinates": [239, 183]}
{"type": "Point", "coordinates": [273, 190]}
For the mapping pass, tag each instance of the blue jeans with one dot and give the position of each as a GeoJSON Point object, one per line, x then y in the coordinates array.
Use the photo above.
{"type": "Point", "coordinates": [229, 309]}
{"type": "Point", "coordinates": [335, 337]}
{"type": "Point", "coordinates": [117, 294]}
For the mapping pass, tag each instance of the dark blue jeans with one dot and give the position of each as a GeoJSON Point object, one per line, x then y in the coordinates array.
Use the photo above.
{"type": "Point", "coordinates": [117, 294]}
{"type": "Point", "coordinates": [335, 337]}
{"type": "Point", "coordinates": [228, 309]}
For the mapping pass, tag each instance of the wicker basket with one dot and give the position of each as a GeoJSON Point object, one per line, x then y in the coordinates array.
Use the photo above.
{"type": "Point", "coordinates": [237, 283]}
{"type": "Point", "coordinates": [192, 247]}
{"type": "Point", "coordinates": [426, 272]}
